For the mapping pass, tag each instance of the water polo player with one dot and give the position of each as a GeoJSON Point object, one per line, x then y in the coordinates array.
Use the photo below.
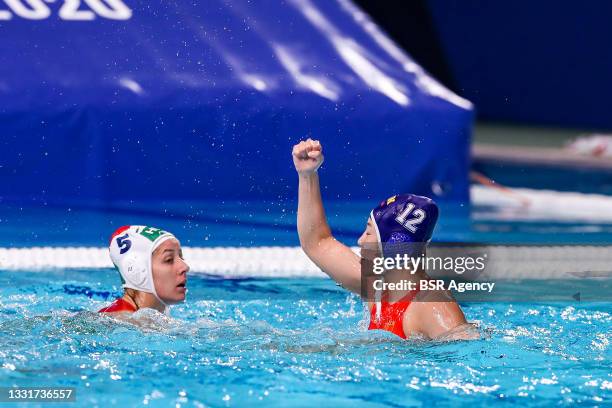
{"type": "Point", "coordinates": [402, 312]}
{"type": "Point", "coordinates": [152, 269]}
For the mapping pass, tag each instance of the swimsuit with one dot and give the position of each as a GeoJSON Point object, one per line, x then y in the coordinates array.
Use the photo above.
{"type": "Point", "coordinates": [118, 305]}
{"type": "Point", "coordinates": [391, 314]}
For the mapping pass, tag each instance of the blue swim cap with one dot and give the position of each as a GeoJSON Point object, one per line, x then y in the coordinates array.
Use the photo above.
{"type": "Point", "coordinates": [404, 219]}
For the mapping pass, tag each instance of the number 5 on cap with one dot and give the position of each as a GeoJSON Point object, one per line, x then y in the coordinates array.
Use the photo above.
{"type": "Point", "coordinates": [124, 243]}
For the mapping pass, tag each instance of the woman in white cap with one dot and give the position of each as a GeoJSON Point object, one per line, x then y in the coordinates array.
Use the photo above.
{"type": "Point", "coordinates": [152, 269]}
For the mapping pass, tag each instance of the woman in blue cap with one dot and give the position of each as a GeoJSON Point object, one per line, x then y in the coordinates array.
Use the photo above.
{"type": "Point", "coordinates": [404, 221]}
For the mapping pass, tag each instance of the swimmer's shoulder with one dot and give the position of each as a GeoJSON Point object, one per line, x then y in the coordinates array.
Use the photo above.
{"type": "Point", "coordinates": [433, 314]}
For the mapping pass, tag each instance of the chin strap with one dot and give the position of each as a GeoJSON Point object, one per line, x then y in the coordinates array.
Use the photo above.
{"type": "Point", "coordinates": [166, 307]}
{"type": "Point", "coordinates": [166, 310]}
{"type": "Point", "coordinates": [164, 304]}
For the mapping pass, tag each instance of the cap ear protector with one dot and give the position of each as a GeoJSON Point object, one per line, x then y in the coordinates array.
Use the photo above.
{"type": "Point", "coordinates": [131, 248]}
{"type": "Point", "coordinates": [134, 269]}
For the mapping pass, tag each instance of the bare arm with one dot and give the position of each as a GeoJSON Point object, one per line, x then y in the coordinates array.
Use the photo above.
{"type": "Point", "coordinates": [334, 258]}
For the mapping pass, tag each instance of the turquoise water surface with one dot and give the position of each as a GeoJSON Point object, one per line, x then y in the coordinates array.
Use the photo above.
{"type": "Point", "coordinates": [274, 342]}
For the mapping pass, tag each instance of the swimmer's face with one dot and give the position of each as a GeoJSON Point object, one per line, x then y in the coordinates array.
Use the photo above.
{"type": "Point", "coordinates": [368, 239]}
{"type": "Point", "coordinates": [169, 272]}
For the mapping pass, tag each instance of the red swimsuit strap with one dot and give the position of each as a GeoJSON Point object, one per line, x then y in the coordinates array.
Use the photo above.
{"type": "Point", "coordinates": [119, 305]}
{"type": "Point", "coordinates": [391, 314]}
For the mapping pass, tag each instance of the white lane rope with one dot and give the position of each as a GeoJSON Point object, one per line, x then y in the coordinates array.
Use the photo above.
{"type": "Point", "coordinates": [504, 262]}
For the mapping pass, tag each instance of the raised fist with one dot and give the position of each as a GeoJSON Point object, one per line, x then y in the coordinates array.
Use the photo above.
{"type": "Point", "coordinates": [307, 156]}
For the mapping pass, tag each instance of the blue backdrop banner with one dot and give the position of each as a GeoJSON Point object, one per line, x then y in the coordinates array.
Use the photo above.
{"type": "Point", "coordinates": [115, 100]}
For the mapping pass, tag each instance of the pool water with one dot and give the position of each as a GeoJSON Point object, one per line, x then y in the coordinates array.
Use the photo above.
{"type": "Point", "coordinates": [274, 342]}
{"type": "Point", "coordinates": [272, 223]}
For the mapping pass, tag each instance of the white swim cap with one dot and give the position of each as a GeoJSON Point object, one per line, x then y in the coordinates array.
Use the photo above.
{"type": "Point", "coordinates": [131, 247]}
